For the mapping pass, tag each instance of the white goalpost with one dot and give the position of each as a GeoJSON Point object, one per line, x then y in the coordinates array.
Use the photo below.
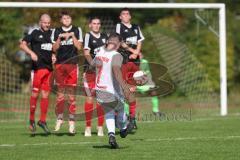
{"type": "Point", "coordinates": [218, 6]}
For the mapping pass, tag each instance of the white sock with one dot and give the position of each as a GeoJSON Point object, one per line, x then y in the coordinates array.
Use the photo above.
{"type": "Point", "coordinates": [110, 125]}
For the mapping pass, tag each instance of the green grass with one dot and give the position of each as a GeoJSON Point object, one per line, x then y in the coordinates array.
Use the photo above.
{"type": "Point", "coordinates": [208, 138]}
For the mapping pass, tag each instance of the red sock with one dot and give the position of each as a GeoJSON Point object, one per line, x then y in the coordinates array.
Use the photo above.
{"type": "Point", "coordinates": [33, 106]}
{"type": "Point", "coordinates": [88, 113]}
{"type": "Point", "coordinates": [72, 107]}
{"type": "Point", "coordinates": [100, 114]}
{"type": "Point", "coordinates": [44, 108]}
{"type": "Point", "coordinates": [60, 106]}
{"type": "Point", "coordinates": [132, 109]}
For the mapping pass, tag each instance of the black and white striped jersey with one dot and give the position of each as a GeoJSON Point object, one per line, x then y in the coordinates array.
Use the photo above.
{"type": "Point", "coordinates": [40, 42]}
{"type": "Point", "coordinates": [93, 43]}
{"type": "Point", "coordinates": [67, 52]}
{"type": "Point", "coordinates": [131, 36]}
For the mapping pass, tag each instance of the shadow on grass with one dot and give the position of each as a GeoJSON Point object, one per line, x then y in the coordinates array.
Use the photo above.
{"type": "Point", "coordinates": [46, 135]}
{"type": "Point", "coordinates": [108, 147]}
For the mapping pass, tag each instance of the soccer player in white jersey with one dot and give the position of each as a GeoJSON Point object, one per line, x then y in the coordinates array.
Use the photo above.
{"type": "Point", "coordinates": [111, 88]}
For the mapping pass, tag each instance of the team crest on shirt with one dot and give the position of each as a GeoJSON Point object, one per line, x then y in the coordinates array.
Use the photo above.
{"type": "Point", "coordinates": [40, 36]}
{"type": "Point", "coordinates": [125, 30]}
{"type": "Point", "coordinates": [104, 40]}
{"type": "Point", "coordinates": [94, 41]}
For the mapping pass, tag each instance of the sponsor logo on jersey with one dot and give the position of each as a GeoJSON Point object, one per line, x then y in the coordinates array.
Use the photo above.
{"type": "Point", "coordinates": [94, 41]}
{"type": "Point", "coordinates": [131, 40]}
{"type": "Point", "coordinates": [46, 46]}
{"type": "Point", "coordinates": [104, 40]}
{"type": "Point", "coordinates": [125, 30]}
{"type": "Point", "coordinates": [67, 42]}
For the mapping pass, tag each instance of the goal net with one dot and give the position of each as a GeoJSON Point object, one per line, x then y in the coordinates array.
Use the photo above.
{"type": "Point", "coordinates": [184, 46]}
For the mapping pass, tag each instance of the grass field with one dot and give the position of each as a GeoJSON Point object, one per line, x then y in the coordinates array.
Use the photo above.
{"type": "Point", "coordinates": [204, 138]}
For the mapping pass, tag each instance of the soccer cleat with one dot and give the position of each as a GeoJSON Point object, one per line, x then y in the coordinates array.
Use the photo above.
{"type": "Point", "coordinates": [124, 133]}
{"type": "Point", "coordinates": [72, 127]}
{"type": "Point", "coordinates": [58, 125]}
{"type": "Point", "coordinates": [32, 126]}
{"type": "Point", "coordinates": [131, 124]}
{"type": "Point", "coordinates": [112, 141]}
{"type": "Point", "coordinates": [88, 132]}
{"type": "Point", "coordinates": [100, 131]}
{"type": "Point", "coordinates": [44, 126]}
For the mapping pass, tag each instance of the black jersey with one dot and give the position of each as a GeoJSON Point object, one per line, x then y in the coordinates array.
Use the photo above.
{"type": "Point", "coordinates": [131, 36]}
{"type": "Point", "coordinates": [67, 52]}
{"type": "Point", "coordinates": [40, 42]}
{"type": "Point", "coordinates": [93, 44]}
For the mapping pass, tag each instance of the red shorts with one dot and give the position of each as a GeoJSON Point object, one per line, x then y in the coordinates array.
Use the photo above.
{"type": "Point", "coordinates": [128, 70]}
{"type": "Point", "coordinates": [89, 83]}
{"type": "Point", "coordinates": [41, 79]}
{"type": "Point", "coordinates": [66, 74]}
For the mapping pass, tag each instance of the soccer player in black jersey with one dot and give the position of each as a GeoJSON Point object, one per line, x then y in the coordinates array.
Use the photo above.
{"type": "Point", "coordinates": [40, 51]}
{"type": "Point", "coordinates": [67, 41]}
{"type": "Point", "coordinates": [132, 37]}
{"type": "Point", "coordinates": [93, 41]}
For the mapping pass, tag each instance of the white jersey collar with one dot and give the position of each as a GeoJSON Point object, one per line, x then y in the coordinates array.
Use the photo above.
{"type": "Point", "coordinates": [67, 29]}
{"type": "Point", "coordinates": [98, 35]}
{"type": "Point", "coordinates": [127, 25]}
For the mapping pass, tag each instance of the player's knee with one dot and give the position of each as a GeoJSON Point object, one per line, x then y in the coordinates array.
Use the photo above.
{"type": "Point", "coordinates": [60, 97]}
{"type": "Point", "coordinates": [110, 114]}
{"type": "Point", "coordinates": [45, 94]}
{"type": "Point", "coordinates": [35, 93]}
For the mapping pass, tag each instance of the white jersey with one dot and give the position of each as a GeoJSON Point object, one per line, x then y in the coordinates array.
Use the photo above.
{"type": "Point", "coordinates": [107, 87]}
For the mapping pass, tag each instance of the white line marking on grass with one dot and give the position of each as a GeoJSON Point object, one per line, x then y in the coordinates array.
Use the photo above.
{"type": "Point", "coordinates": [36, 144]}
{"type": "Point", "coordinates": [191, 138]}
{"type": "Point", "coordinates": [7, 145]}
{"type": "Point", "coordinates": [43, 144]}
{"type": "Point", "coordinates": [149, 140]}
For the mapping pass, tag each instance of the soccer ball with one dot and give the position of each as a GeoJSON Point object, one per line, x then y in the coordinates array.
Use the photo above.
{"type": "Point", "coordinates": [140, 77]}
